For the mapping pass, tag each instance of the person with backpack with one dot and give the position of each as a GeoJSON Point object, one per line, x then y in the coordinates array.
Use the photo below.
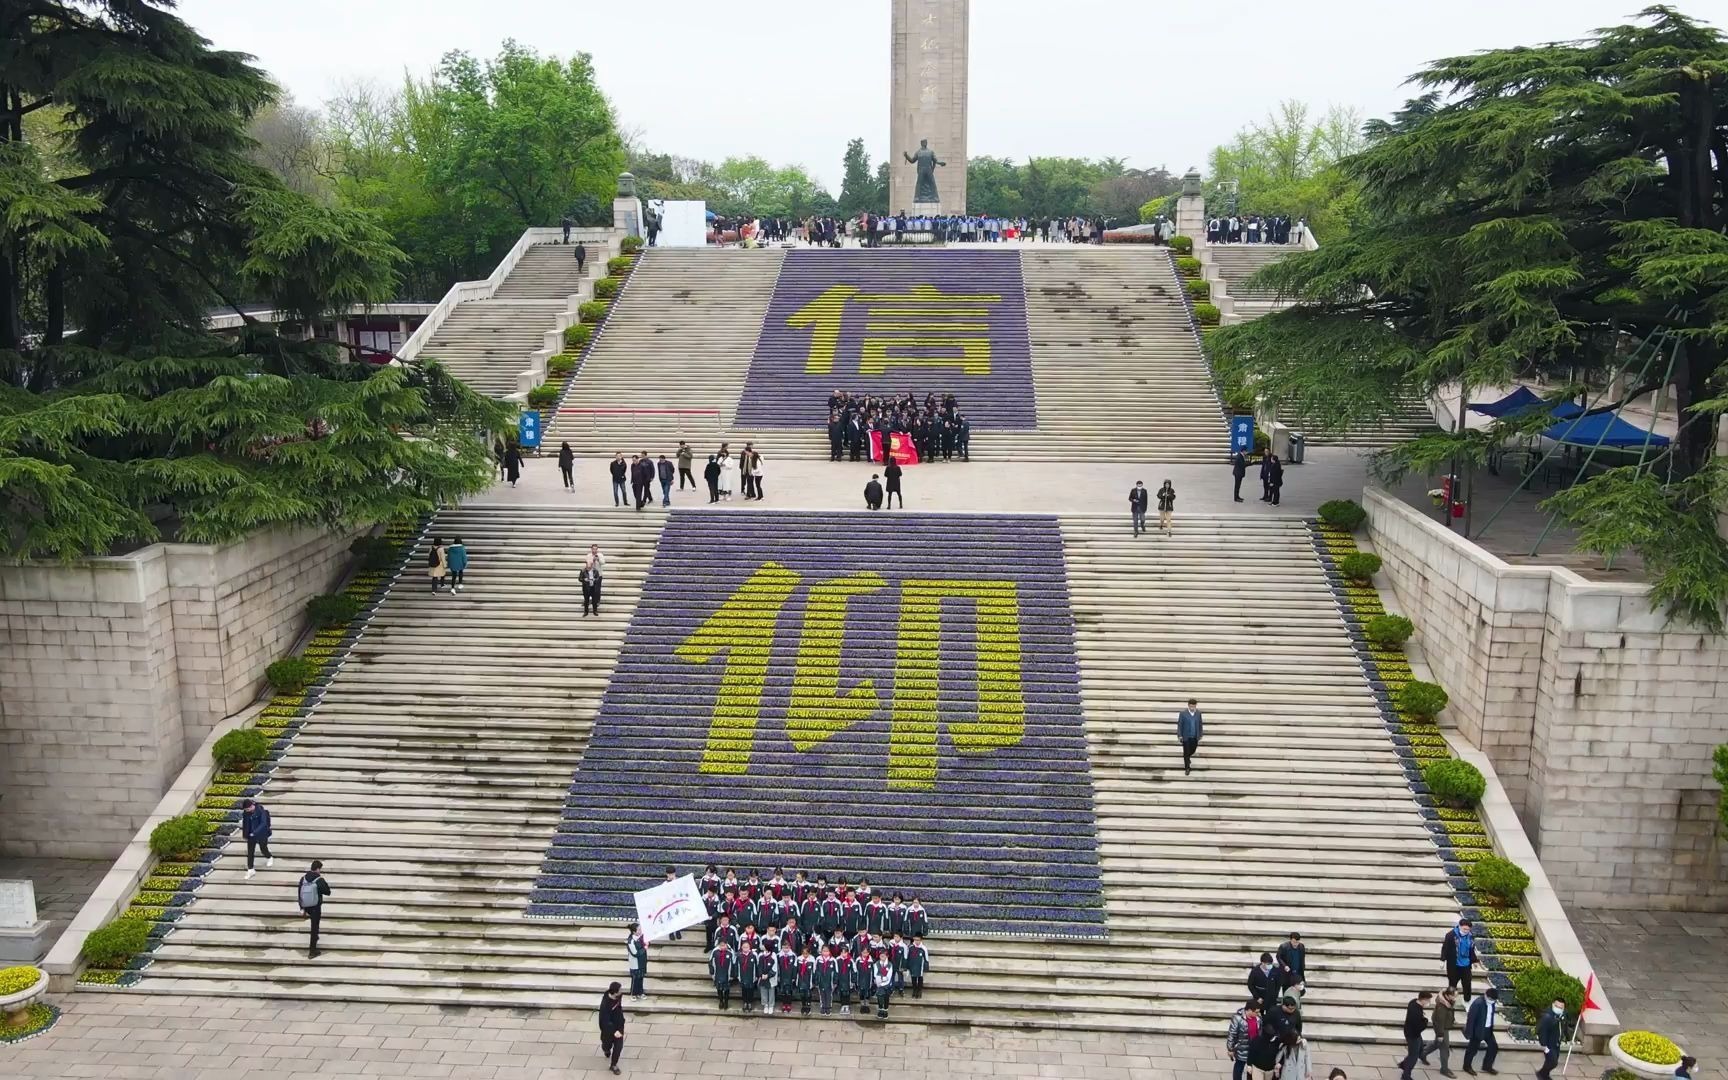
{"type": "Point", "coordinates": [436, 568]}
{"type": "Point", "coordinates": [255, 828]}
{"type": "Point", "coordinates": [1240, 1035]}
{"type": "Point", "coordinates": [312, 890]}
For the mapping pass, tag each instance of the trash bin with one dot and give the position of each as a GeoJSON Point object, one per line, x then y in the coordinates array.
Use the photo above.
{"type": "Point", "coordinates": [1298, 447]}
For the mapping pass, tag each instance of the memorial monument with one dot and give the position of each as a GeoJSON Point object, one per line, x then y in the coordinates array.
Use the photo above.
{"type": "Point", "coordinates": [928, 107]}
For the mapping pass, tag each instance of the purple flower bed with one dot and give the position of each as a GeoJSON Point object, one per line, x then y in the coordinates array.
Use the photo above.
{"type": "Point", "coordinates": [781, 390]}
{"type": "Point", "coordinates": [1000, 788]}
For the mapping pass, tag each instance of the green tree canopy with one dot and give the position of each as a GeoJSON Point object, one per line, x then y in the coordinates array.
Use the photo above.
{"type": "Point", "coordinates": [857, 188]}
{"type": "Point", "coordinates": [1543, 213]}
{"type": "Point", "coordinates": [1289, 164]}
{"type": "Point", "coordinates": [121, 416]}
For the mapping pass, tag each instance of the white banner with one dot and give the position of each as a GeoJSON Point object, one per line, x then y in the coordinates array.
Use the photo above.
{"type": "Point", "coordinates": [668, 906]}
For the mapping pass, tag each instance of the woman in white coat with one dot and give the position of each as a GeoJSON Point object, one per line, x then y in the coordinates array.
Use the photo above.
{"type": "Point", "coordinates": [728, 476]}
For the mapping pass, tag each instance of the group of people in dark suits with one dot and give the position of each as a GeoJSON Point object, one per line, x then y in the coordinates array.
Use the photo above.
{"type": "Point", "coordinates": [1271, 476]}
{"type": "Point", "coordinates": [938, 428]}
{"type": "Point", "coordinates": [778, 939]}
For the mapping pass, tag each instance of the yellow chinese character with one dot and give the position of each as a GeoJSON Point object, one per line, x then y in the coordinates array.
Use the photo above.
{"type": "Point", "coordinates": [941, 329]}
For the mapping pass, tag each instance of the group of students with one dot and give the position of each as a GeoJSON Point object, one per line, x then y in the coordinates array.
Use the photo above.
{"type": "Point", "coordinates": [1255, 230]}
{"type": "Point", "coordinates": [777, 939]}
{"type": "Point", "coordinates": [938, 428]}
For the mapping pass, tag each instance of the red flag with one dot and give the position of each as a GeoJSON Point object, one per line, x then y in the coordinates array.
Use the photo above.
{"type": "Point", "coordinates": [905, 451]}
{"type": "Point", "coordinates": [1590, 1003]}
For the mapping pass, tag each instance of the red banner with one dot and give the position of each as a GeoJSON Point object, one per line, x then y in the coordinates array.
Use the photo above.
{"type": "Point", "coordinates": [899, 444]}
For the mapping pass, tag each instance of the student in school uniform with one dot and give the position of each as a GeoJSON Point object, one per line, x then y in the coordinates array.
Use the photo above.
{"type": "Point", "coordinates": [744, 910]}
{"type": "Point", "coordinates": [777, 884]}
{"type": "Point", "coordinates": [917, 964]}
{"type": "Point", "coordinates": [851, 915]}
{"type": "Point", "coordinates": [862, 892]}
{"type": "Point", "coordinates": [671, 876]}
{"type": "Point", "coordinates": [726, 932]}
{"type": "Point", "coordinates": [843, 980]}
{"type": "Point", "coordinates": [747, 974]}
{"type": "Point", "coordinates": [897, 915]}
{"type": "Point", "coordinates": [826, 978]}
{"type": "Point", "coordinates": [897, 954]}
{"type": "Point", "coordinates": [917, 920]}
{"type": "Point", "coordinates": [809, 913]}
{"type": "Point", "coordinates": [730, 885]}
{"type": "Point", "coordinates": [804, 980]}
{"type": "Point", "coordinates": [767, 978]}
{"type": "Point", "coordinates": [711, 901]}
{"type": "Point", "coordinates": [723, 968]}
{"type": "Point", "coordinates": [876, 917]}
{"type": "Point", "coordinates": [800, 888]}
{"type": "Point", "coordinates": [829, 914]}
{"type": "Point", "coordinates": [785, 975]}
{"type": "Point", "coordinates": [710, 882]}
{"type": "Point", "coordinates": [753, 885]}
{"type": "Point", "coordinates": [861, 973]}
{"type": "Point", "coordinates": [882, 983]}
{"type": "Point", "coordinates": [792, 936]}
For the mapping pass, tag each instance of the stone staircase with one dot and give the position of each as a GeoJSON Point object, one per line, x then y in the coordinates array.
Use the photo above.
{"type": "Point", "coordinates": [1233, 265]}
{"type": "Point", "coordinates": [489, 343]}
{"type": "Point", "coordinates": [1119, 374]}
{"type": "Point", "coordinates": [433, 780]}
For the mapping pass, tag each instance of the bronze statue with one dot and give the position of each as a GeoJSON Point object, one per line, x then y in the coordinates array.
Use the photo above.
{"type": "Point", "coordinates": [925, 160]}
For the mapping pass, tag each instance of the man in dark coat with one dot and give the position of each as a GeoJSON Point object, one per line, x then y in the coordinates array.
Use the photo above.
{"type": "Point", "coordinates": [892, 473]}
{"type": "Point", "coordinates": [1275, 479]}
{"type": "Point", "coordinates": [619, 472]}
{"type": "Point", "coordinates": [1263, 984]}
{"type": "Point", "coordinates": [255, 828]}
{"type": "Point", "coordinates": [1138, 498]}
{"type": "Point", "coordinates": [1415, 1023]}
{"type": "Point", "coordinates": [1293, 961]}
{"type": "Point", "coordinates": [1266, 476]}
{"type": "Point", "coordinates": [1190, 727]}
{"type": "Point", "coordinates": [1548, 1032]}
{"type": "Point", "coordinates": [1479, 1021]}
{"type": "Point", "coordinates": [612, 1024]}
{"type": "Point", "coordinates": [1238, 469]}
{"type": "Point", "coordinates": [836, 436]}
{"type": "Point", "coordinates": [711, 473]}
{"type": "Point", "coordinates": [642, 479]}
{"type": "Point", "coordinates": [665, 472]}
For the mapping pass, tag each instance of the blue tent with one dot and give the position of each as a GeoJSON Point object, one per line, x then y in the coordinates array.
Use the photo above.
{"type": "Point", "coordinates": [1517, 401]}
{"type": "Point", "coordinates": [1602, 429]}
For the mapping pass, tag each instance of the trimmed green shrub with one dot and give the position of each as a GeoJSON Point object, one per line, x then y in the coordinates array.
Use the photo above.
{"type": "Point", "coordinates": [375, 552]}
{"type": "Point", "coordinates": [607, 287]}
{"type": "Point", "coordinates": [1206, 314]}
{"type": "Point", "coordinates": [631, 245]}
{"type": "Point", "coordinates": [178, 837]}
{"type": "Point", "coordinates": [242, 746]}
{"type": "Point", "coordinates": [1455, 783]}
{"type": "Point", "coordinates": [1359, 565]}
{"type": "Point", "coordinates": [542, 397]}
{"type": "Point", "coordinates": [1188, 266]}
{"type": "Point", "coordinates": [1262, 441]}
{"type": "Point", "coordinates": [1500, 880]}
{"type": "Point", "coordinates": [332, 610]}
{"type": "Point", "coordinates": [1343, 514]}
{"type": "Point", "coordinates": [113, 945]}
{"type": "Point", "coordinates": [291, 674]}
{"type": "Point", "coordinates": [1541, 986]}
{"type": "Point", "coordinates": [1182, 245]}
{"type": "Point", "coordinates": [620, 265]}
{"type": "Point", "coordinates": [577, 336]}
{"type": "Point", "coordinates": [1388, 631]}
{"type": "Point", "coordinates": [1422, 700]}
{"type": "Point", "coordinates": [593, 311]}
{"type": "Point", "coordinates": [1199, 289]}
{"type": "Point", "coordinates": [562, 364]}
{"type": "Point", "coordinates": [22, 977]}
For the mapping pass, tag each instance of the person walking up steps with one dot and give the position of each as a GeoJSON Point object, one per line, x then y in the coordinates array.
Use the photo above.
{"type": "Point", "coordinates": [255, 828]}
{"type": "Point", "coordinates": [456, 558]}
{"type": "Point", "coordinates": [1166, 506]}
{"type": "Point", "coordinates": [310, 893]}
{"type": "Point", "coordinates": [567, 466]}
{"type": "Point", "coordinates": [612, 1018]}
{"type": "Point", "coordinates": [1138, 498]}
{"type": "Point", "coordinates": [436, 568]}
{"type": "Point", "coordinates": [592, 575]}
{"type": "Point", "coordinates": [513, 464]}
{"type": "Point", "coordinates": [1190, 726]}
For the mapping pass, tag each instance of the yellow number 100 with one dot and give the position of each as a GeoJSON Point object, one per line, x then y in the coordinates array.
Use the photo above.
{"type": "Point", "coordinates": [744, 628]}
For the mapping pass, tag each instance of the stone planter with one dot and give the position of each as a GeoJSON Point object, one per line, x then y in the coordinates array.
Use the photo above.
{"type": "Point", "coordinates": [12, 1006]}
{"type": "Point", "coordinates": [1642, 1068]}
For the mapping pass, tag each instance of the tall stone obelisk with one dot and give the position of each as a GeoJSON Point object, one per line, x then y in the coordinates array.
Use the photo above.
{"type": "Point", "coordinates": [929, 105]}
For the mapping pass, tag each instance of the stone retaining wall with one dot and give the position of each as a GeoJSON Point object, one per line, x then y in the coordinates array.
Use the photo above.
{"type": "Point", "coordinates": [1599, 715]}
{"type": "Point", "coordinates": [113, 670]}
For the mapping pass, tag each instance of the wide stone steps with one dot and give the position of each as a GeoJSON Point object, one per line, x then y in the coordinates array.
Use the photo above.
{"type": "Point", "coordinates": [548, 272]}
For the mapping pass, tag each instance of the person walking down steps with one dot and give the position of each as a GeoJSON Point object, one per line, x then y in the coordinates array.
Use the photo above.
{"type": "Point", "coordinates": [1190, 726]}
{"type": "Point", "coordinates": [1166, 506]}
{"type": "Point", "coordinates": [1138, 498]}
{"type": "Point", "coordinates": [592, 576]}
{"type": "Point", "coordinates": [310, 893]}
{"type": "Point", "coordinates": [612, 1019]}
{"type": "Point", "coordinates": [255, 828]}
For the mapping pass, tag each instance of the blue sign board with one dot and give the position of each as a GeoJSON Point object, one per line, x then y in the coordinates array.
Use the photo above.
{"type": "Point", "coordinates": [528, 430]}
{"type": "Point", "coordinates": [1242, 434]}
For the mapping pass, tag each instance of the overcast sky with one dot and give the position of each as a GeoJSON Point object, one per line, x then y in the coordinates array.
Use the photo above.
{"type": "Point", "coordinates": [793, 80]}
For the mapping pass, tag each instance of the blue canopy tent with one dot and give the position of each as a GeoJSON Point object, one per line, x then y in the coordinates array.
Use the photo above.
{"type": "Point", "coordinates": [1602, 429]}
{"type": "Point", "coordinates": [1517, 401]}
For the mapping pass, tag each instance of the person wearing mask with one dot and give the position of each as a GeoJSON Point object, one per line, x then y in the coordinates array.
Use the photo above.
{"type": "Point", "coordinates": [1458, 954]}
{"type": "Point", "coordinates": [1166, 506]}
{"type": "Point", "coordinates": [612, 1019]}
{"type": "Point", "coordinates": [1263, 984]}
{"type": "Point", "coordinates": [1190, 728]}
{"type": "Point", "coordinates": [1238, 470]}
{"type": "Point", "coordinates": [619, 471]}
{"type": "Point", "coordinates": [567, 466]}
{"type": "Point", "coordinates": [711, 473]}
{"type": "Point", "coordinates": [255, 829]}
{"type": "Point", "coordinates": [1244, 1028]}
{"type": "Point", "coordinates": [1479, 1022]}
{"type": "Point", "coordinates": [310, 892]}
{"type": "Point", "coordinates": [636, 951]}
{"type": "Point", "coordinates": [1138, 499]}
{"type": "Point", "coordinates": [1683, 1071]}
{"type": "Point", "coordinates": [1415, 1023]}
{"type": "Point", "coordinates": [456, 558]}
{"type": "Point", "coordinates": [592, 575]}
{"type": "Point", "coordinates": [1549, 1032]}
{"type": "Point", "coordinates": [1441, 1020]}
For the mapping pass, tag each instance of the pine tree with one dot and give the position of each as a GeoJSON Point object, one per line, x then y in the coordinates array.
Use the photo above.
{"type": "Point", "coordinates": [857, 188]}
{"type": "Point", "coordinates": [119, 410]}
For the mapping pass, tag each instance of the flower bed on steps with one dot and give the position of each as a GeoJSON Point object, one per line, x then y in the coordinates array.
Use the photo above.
{"type": "Point", "coordinates": [1504, 938]}
{"type": "Point", "coordinates": [164, 895]}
